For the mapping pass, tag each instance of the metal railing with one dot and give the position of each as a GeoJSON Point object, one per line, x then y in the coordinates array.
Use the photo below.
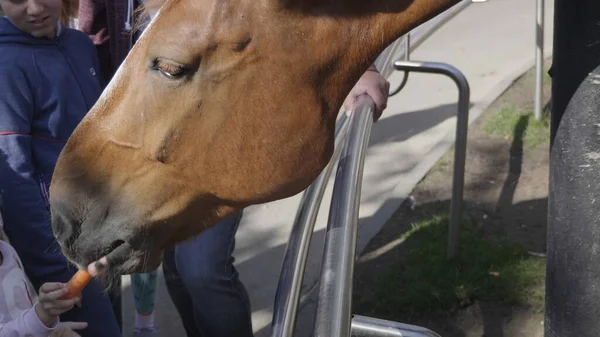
{"type": "Point", "coordinates": [406, 58]}
{"type": "Point", "coordinates": [287, 297]}
{"type": "Point", "coordinates": [539, 59]}
{"type": "Point", "coordinates": [333, 316]}
{"type": "Point", "coordinates": [460, 148]}
{"type": "Point", "coordinates": [462, 124]}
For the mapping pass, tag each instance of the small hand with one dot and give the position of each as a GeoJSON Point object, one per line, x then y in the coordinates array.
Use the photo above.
{"type": "Point", "coordinates": [49, 306]}
{"type": "Point", "coordinates": [66, 329]}
{"type": "Point", "coordinates": [375, 86]}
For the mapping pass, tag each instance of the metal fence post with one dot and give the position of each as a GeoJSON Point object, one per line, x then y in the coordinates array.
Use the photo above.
{"type": "Point", "coordinates": [460, 152]}
{"type": "Point", "coordinates": [407, 47]}
{"type": "Point", "coordinates": [539, 58]}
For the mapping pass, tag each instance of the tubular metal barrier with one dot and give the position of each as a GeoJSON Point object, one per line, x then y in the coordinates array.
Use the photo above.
{"type": "Point", "coordinates": [460, 151]}
{"type": "Point", "coordinates": [333, 317]}
{"type": "Point", "coordinates": [333, 313]}
{"type": "Point", "coordinates": [539, 58]}
{"type": "Point", "coordinates": [287, 297]}
{"type": "Point", "coordinates": [406, 58]}
{"type": "Point", "coordinates": [385, 61]}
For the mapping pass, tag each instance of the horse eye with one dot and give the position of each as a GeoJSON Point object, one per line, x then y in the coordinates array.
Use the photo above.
{"type": "Point", "coordinates": [169, 70]}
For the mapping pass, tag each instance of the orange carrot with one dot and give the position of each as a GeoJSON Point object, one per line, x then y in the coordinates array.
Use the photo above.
{"type": "Point", "coordinates": [77, 283]}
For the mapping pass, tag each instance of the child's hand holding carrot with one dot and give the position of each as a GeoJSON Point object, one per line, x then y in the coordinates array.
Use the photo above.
{"type": "Point", "coordinates": [50, 305]}
{"type": "Point", "coordinates": [57, 298]}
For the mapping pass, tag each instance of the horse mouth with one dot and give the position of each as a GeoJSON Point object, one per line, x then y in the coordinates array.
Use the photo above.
{"type": "Point", "coordinates": [116, 256]}
{"type": "Point", "coordinates": [123, 257]}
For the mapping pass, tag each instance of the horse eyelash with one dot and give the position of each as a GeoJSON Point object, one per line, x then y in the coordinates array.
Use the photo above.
{"type": "Point", "coordinates": [172, 72]}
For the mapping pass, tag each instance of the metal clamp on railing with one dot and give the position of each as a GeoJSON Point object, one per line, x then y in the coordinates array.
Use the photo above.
{"type": "Point", "coordinates": [460, 151]}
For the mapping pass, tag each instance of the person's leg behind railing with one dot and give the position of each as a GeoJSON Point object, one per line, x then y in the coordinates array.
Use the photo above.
{"type": "Point", "coordinates": [205, 286]}
{"type": "Point", "coordinates": [143, 287]}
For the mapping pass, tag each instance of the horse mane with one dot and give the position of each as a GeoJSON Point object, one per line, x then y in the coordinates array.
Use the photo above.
{"type": "Point", "coordinates": [145, 10]}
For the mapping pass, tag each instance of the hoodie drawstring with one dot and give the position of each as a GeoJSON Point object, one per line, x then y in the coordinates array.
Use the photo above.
{"type": "Point", "coordinates": [128, 20]}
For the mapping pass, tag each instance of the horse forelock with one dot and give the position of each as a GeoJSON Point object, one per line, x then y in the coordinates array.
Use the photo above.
{"type": "Point", "coordinates": [149, 9]}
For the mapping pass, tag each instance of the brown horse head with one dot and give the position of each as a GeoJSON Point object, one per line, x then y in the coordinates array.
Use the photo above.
{"type": "Point", "coordinates": [221, 104]}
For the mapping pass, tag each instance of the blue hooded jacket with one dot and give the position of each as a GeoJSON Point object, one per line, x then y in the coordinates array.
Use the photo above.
{"type": "Point", "coordinates": [46, 88]}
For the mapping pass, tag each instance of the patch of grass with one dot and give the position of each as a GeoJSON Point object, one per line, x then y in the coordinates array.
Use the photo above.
{"type": "Point", "coordinates": [482, 270]}
{"type": "Point", "coordinates": [507, 122]}
{"type": "Point", "coordinates": [446, 160]}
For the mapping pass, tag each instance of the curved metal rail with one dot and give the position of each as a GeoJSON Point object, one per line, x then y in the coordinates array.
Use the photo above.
{"type": "Point", "coordinates": [287, 297]}
{"type": "Point", "coordinates": [406, 58]}
{"type": "Point", "coordinates": [333, 313]}
{"type": "Point", "coordinates": [333, 316]}
{"type": "Point", "coordinates": [460, 153]}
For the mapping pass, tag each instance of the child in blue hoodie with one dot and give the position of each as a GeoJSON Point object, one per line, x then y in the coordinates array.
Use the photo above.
{"type": "Point", "coordinates": [49, 79]}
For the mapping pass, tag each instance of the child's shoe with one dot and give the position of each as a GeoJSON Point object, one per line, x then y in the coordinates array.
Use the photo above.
{"type": "Point", "coordinates": [146, 332]}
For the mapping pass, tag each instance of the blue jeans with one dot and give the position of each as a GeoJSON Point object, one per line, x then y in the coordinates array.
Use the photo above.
{"type": "Point", "coordinates": [204, 285]}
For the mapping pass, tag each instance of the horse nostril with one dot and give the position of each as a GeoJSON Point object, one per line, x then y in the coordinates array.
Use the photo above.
{"type": "Point", "coordinates": [114, 246]}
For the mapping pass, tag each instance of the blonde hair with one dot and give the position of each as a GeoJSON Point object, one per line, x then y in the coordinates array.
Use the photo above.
{"type": "Point", "coordinates": [69, 11]}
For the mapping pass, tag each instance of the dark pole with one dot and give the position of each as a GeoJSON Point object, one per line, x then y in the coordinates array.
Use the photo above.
{"type": "Point", "coordinates": [573, 264]}
{"type": "Point", "coordinates": [576, 50]}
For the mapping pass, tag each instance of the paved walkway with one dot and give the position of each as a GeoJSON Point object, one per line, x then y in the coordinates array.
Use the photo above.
{"type": "Point", "coordinates": [492, 43]}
